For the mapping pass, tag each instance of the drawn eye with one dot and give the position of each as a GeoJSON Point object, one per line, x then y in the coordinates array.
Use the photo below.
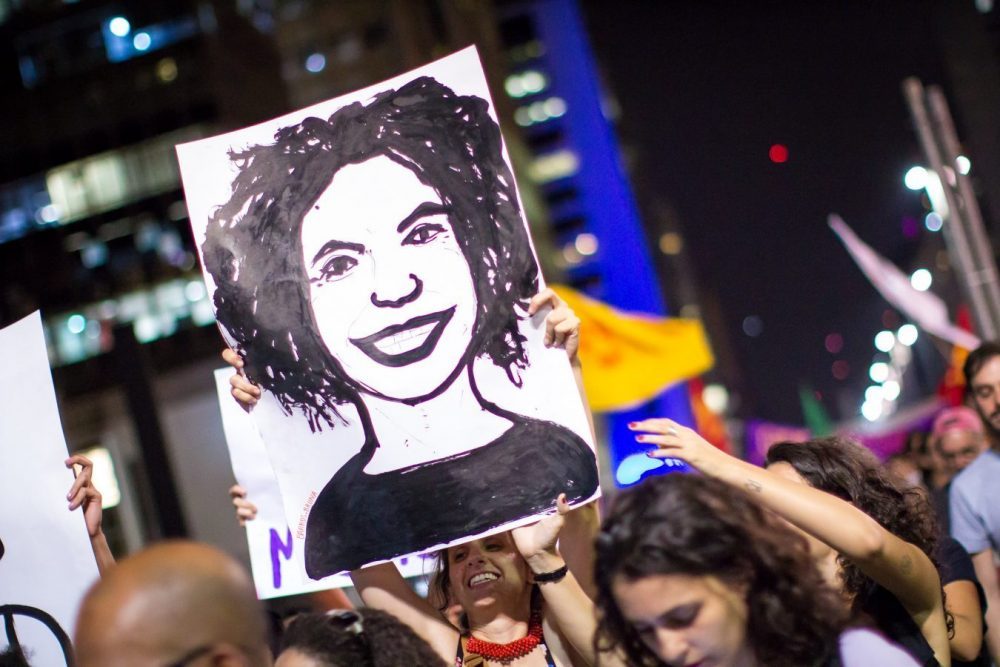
{"type": "Point", "coordinates": [337, 267]}
{"type": "Point", "coordinates": [423, 233]}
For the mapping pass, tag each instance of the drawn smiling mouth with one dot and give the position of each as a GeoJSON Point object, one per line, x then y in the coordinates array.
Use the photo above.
{"type": "Point", "coordinates": [406, 343]}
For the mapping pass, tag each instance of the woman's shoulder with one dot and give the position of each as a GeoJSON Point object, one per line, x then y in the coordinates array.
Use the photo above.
{"type": "Point", "coordinates": [863, 646]}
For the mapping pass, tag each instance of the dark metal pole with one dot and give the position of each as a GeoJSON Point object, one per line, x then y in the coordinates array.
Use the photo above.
{"type": "Point", "coordinates": [133, 375]}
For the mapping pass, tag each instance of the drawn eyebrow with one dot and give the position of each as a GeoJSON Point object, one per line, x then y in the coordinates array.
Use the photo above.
{"type": "Point", "coordinates": [333, 245]}
{"type": "Point", "coordinates": [422, 211]}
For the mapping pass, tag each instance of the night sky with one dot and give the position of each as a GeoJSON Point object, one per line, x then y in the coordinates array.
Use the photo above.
{"type": "Point", "coordinates": [705, 88]}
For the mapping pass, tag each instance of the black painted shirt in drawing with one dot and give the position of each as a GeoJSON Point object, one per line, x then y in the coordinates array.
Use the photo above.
{"type": "Point", "coordinates": [359, 517]}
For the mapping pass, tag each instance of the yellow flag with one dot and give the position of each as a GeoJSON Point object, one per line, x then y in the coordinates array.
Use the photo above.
{"type": "Point", "coordinates": [629, 358]}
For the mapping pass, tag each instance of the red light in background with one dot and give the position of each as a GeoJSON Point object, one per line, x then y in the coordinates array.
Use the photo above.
{"type": "Point", "coordinates": [834, 343]}
{"type": "Point", "coordinates": [778, 153]}
{"type": "Point", "coordinates": [841, 369]}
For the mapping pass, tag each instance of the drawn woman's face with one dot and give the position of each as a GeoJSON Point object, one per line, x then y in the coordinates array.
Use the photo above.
{"type": "Point", "coordinates": [390, 288]}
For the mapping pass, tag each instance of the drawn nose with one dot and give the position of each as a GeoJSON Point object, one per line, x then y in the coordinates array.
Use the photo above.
{"type": "Point", "coordinates": [412, 295]}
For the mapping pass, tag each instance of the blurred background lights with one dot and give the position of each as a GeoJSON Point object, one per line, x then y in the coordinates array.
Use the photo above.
{"type": "Point", "coordinates": [540, 111]}
{"type": "Point", "coordinates": [671, 243]}
{"type": "Point", "coordinates": [586, 244]}
{"type": "Point", "coordinates": [166, 70]}
{"type": "Point", "coordinates": [879, 372]}
{"type": "Point", "coordinates": [874, 393]}
{"type": "Point", "coordinates": [964, 164]}
{"type": "Point", "coordinates": [753, 326]}
{"type": "Point", "coordinates": [907, 334]}
{"type": "Point", "coordinates": [119, 26]}
{"type": "Point", "coordinates": [915, 178]}
{"type": "Point", "coordinates": [525, 83]}
{"type": "Point", "coordinates": [716, 398]}
{"type": "Point", "coordinates": [554, 107]}
{"type": "Point", "coordinates": [316, 63]}
{"type": "Point", "coordinates": [833, 343]}
{"type": "Point", "coordinates": [890, 390]}
{"type": "Point", "coordinates": [195, 290]}
{"type": "Point", "coordinates": [553, 166]}
{"type": "Point", "coordinates": [48, 213]}
{"type": "Point", "coordinates": [933, 222]}
{"type": "Point", "coordinates": [921, 280]}
{"type": "Point", "coordinates": [778, 153]}
{"type": "Point", "coordinates": [871, 411]}
{"type": "Point", "coordinates": [935, 192]}
{"type": "Point", "coordinates": [76, 323]}
{"type": "Point", "coordinates": [840, 369]}
{"type": "Point", "coordinates": [884, 340]}
{"type": "Point", "coordinates": [634, 466]}
{"type": "Point", "coordinates": [142, 41]}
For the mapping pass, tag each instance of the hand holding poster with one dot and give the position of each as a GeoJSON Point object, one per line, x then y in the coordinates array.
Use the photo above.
{"type": "Point", "coordinates": [368, 258]}
{"type": "Point", "coordinates": [46, 561]}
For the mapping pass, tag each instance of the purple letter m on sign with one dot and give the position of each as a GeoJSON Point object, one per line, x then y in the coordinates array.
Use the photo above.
{"type": "Point", "coordinates": [279, 547]}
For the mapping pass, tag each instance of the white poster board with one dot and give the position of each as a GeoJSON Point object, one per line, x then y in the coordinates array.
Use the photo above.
{"type": "Point", "coordinates": [47, 562]}
{"type": "Point", "coordinates": [368, 258]}
{"type": "Point", "coordinates": [278, 567]}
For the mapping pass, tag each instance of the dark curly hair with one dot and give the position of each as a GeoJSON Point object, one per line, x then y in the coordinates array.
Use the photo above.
{"type": "Point", "coordinates": [253, 246]}
{"type": "Point", "coordinates": [849, 471]}
{"type": "Point", "coordinates": [697, 526]}
{"type": "Point", "coordinates": [376, 639]}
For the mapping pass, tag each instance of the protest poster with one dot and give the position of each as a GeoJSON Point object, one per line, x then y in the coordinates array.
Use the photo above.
{"type": "Point", "coordinates": [46, 561]}
{"type": "Point", "coordinates": [368, 258]}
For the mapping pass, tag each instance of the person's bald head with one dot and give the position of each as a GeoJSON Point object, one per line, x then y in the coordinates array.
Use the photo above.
{"type": "Point", "coordinates": [170, 601]}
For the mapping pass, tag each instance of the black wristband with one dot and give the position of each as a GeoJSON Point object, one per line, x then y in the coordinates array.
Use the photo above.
{"type": "Point", "coordinates": [552, 577]}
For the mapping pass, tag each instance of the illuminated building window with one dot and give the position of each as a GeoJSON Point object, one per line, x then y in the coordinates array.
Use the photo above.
{"type": "Point", "coordinates": [93, 185]}
{"type": "Point", "coordinates": [154, 313]}
{"type": "Point", "coordinates": [553, 166]}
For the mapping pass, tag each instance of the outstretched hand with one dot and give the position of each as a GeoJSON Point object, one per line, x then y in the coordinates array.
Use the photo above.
{"type": "Point", "coordinates": [562, 326]}
{"type": "Point", "coordinates": [84, 494]}
{"type": "Point", "coordinates": [538, 540]}
{"type": "Point", "coordinates": [245, 510]}
{"type": "Point", "coordinates": [675, 441]}
{"type": "Point", "coordinates": [245, 392]}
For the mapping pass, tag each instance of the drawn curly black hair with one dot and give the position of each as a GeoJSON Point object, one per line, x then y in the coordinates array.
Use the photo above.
{"type": "Point", "coordinates": [253, 247]}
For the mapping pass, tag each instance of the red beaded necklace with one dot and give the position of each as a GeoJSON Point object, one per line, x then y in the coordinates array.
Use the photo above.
{"type": "Point", "coordinates": [512, 650]}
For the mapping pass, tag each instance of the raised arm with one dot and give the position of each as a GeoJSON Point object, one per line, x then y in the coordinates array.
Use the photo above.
{"type": "Point", "coordinates": [84, 494]}
{"type": "Point", "coordinates": [566, 603]}
{"type": "Point", "coordinates": [383, 587]}
{"type": "Point", "coordinates": [901, 567]}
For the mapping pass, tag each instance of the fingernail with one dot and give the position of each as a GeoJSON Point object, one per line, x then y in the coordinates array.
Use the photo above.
{"type": "Point", "coordinates": [633, 424]}
{"type": "Point", "coordinates": [640, 438]}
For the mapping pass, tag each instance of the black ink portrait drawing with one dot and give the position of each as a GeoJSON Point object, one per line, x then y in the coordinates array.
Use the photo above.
{"type": "Point", "coordinates": [10, 613]}
{"type": "Point", "coordinates": [368, 259]}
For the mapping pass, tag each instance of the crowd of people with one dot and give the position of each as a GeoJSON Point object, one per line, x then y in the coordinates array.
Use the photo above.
{"type": "Point", "coordinates": [822, 557]}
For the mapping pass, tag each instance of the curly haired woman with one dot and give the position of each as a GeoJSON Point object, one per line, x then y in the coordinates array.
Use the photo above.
{"type": "Point", "coordinates": [892, 577]}
{"type": "Point", "coordinates": [693, 572]}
